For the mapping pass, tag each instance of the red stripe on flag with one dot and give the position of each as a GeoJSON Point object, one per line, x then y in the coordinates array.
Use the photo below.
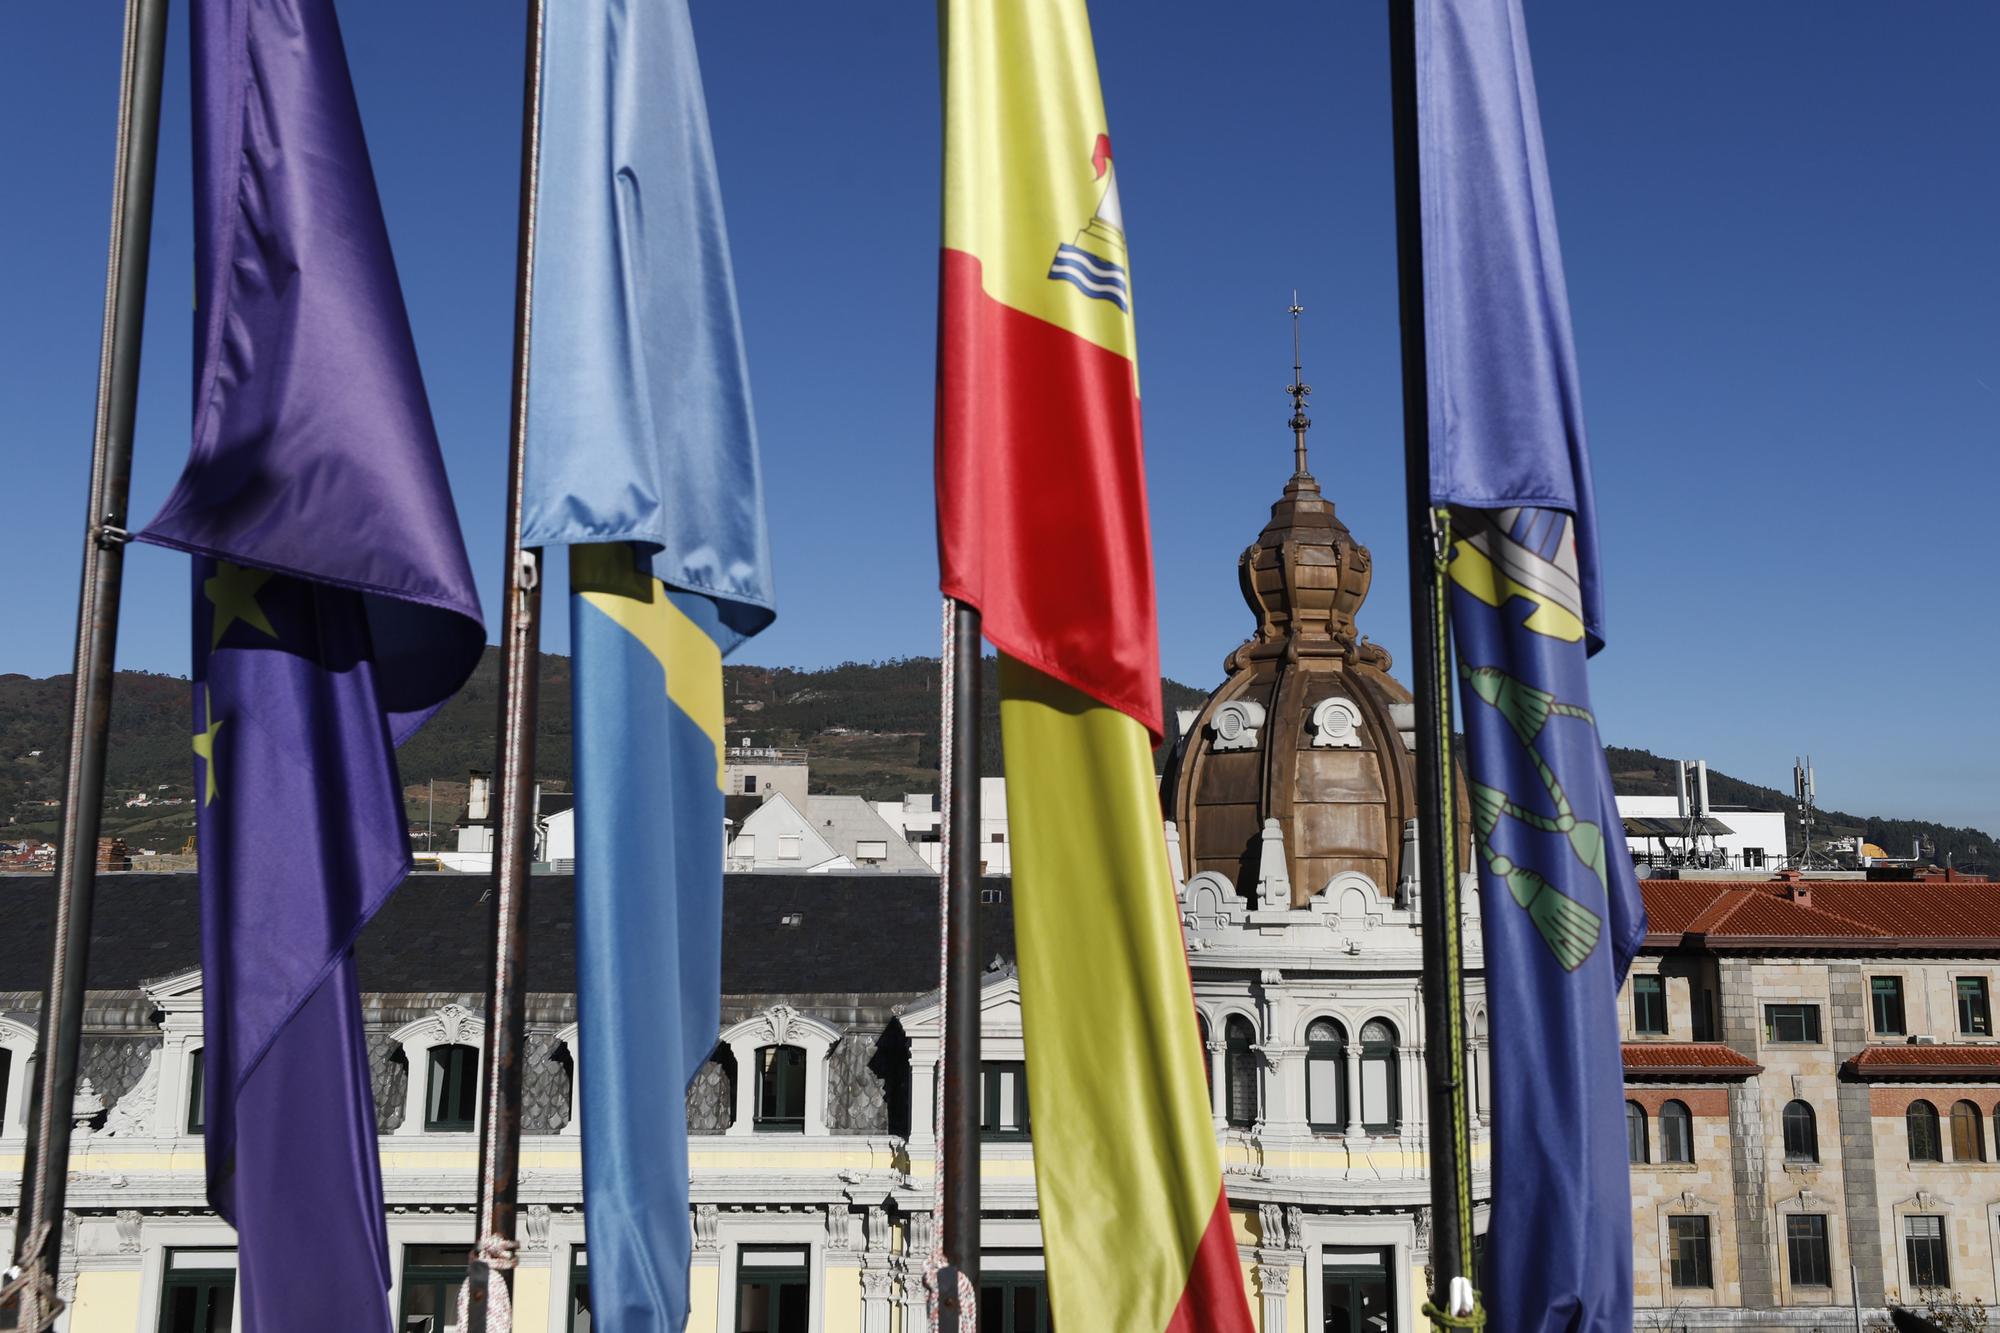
{"type": "Point", "coordinates": [1213, 1301]}
{"type": "Point", "coordinates": [1042, 496]}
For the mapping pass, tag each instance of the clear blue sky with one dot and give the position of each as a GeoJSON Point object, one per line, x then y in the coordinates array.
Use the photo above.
{"type": "Point", "coordinates": [1779, 222]}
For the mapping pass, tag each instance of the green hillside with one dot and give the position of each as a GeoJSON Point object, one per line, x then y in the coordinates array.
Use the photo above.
{"type": "Point", "coordinates": [871, 729]}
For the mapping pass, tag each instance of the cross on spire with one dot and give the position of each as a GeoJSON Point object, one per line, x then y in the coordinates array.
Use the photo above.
{"type": "Point", "coordinates": [1298, 389]}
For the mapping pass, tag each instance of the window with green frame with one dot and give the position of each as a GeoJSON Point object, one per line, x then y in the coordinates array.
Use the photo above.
{"type": "Point", "coordinates": [451, 1101]}
{"type": "Point", "coordinates": [198, 1293]}
{"type": "Point", "coordinates": [197, 1116]}
{"type": "Point", "coordinates": [1975, 1015]}
{"type": "Point", "coordinates": [781, 1090]}
{"type": "Point", "coordinates": [432, 1275]}
{"type": "Point", "coordinates": [1649, 1004]}
{"type": "Point", "coordinates": [773, 1289]}
{"type": "Point", "coordinates": [579, 1292]}
{"type": "Point", "coordinates": [1003, 1099]}
{"type": "Point", "coordinates": [1886, 1002]}
{"type": "Point", "coordinates": [1012, 1302]}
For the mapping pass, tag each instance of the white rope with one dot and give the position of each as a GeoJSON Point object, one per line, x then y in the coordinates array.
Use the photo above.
{"type": "Point", "coordinates": [968, 1299]}
{"type": "Point", "coordinates": [497, 1253]}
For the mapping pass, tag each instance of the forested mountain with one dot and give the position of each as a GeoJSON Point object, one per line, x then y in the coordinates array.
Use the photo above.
{"type": "Point", "coordinates": [871, 729]}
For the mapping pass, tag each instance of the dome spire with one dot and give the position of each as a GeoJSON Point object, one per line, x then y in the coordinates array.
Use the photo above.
{"type": "Point", "coordinates": [1298, 389]}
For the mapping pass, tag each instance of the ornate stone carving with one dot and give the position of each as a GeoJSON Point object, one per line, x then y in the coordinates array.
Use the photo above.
{"type": "Point", "coordinates": [129, 1220]}
{"type": "Point", "coordinates": [875, 1284]}
{"type": "Point", "coordinates": [923, 1236]}
{"type": "Point", "coordinates": [1271, 1226]}
{"type": "Point", "coordinates": [707, 1221]}
{"type": "Point", "coordinates": [1336, 724]}
{"type": "Point", "coordinates": [877, 1229]}
{"type": "Point", "coordinates": [1274, 876]}
{"type": "Point", "coordinates": [1422, 1218]}
{"type": "Point", "coordinates": [1273, 1279]}
{"type": "Point", "coordinates": [1235, 725]}
{"type": "Point", "coordinates": [778, 1020]}
{"type": "Point", "coordinates": [843, 1231]}
{"type": "Point", "coordinates": [535, 1225]}
{"type": "Point", "coordinates": [132, 1117]}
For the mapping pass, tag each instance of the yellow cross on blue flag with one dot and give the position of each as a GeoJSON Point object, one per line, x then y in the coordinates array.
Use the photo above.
{"type": "Point", "coordinates": [642, 458]}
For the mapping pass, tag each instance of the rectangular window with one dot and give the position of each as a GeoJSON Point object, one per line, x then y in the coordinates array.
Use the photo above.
{"type": "Point", "coordinates": [197, 1075]}
{"type": "Point", "coordinates": [579, 1291]}
{"type": "Point", "coordinates": [1805, 1247]}
{"type": "Point", "coordinates": [1753, 858]}
{"type": "Point", "coordinates": [198, 1291]}
{"type": "Point", "coordinates": [746, 846]}
{"type": "Point", "coordinates": [788, 846]}
{"type": "Point", "coordinates": [749, 784]}
{"type": "Point", "coordinates": [1923, 1238]}
{"type": "Point", "coordinates": [773, 1290]}
{"type": "Point", "coordinates": [1792, 1023]}
{"type": "Point", "coordinates": [1886, 1002]}
{"type": "Point", "coordinates": [451, 1102]}
{"type": "Point", "coordinates": [1003, 1099]}
{"type": "Point", "coordinates": [871, 851]}
{"type": "Point", "coordinates": [432, 1275]}
{"type": "Point", "coordinates": [1649, 1005]}
{"type": "Point", "coordinates": [1688, 1239]}
{"type": "Point", "coordinates": [1975, 1018]}
{"type": "Point", "coordinates": [781, 1090]}
{"type": "Point", "coordinates": [1013, 1302]}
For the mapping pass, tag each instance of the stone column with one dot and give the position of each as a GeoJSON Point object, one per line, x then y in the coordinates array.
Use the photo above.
{"type": "Point", "coordinates": [1285, 1108]}
{"type": "Point", "coordinates": [1274, 1281]}
{"type": "Point", "coordinates": [1848, 989]}
{"type": "Point", "coordinates": [1353, 1074]}
{"type": "Point", "coordinates": [876, 1277]}
{"type": "Point", "coordinates": [1218, 1073]}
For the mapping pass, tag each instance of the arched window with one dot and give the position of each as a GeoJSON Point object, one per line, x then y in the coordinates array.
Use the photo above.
{"type": "Point", "coordinates": [1638, 1150]}
{"type": "Point", "coordinates": [1326, 1076]}
{"type": "Point", "coordinates": [1801, 1133]}
{"type": "Point", "coordinates": [1481, 1068]}
{"type": "Point", "coordinates": [451, 1097]}
{"type": "Point", "coordinates": [1380, 1108]}
{"type": "Point", "coordinates": [1676, 1133]}
{"type": "Point", "coordinates": [781, 1090]}
{"type": "Point", "coordinates": [1207, 1065]}
{"type": "Point", "coordinates": [1968, 1133]}
{"type": "Point", "coordinates": [1922, 1122]}
{"type": "Point", "coordinates": [1240, 1072]}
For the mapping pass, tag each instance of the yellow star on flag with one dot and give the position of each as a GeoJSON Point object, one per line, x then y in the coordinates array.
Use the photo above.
{"type": "Point", "coordinates": [233, 590]}
{"type": "Point", "coordinates": [204, 742]}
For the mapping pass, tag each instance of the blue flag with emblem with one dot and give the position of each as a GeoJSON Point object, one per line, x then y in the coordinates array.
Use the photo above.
{"type": "Point", "coordinates": [642, 458]}
{"type": "Point", "coordinates": [1561, 915]}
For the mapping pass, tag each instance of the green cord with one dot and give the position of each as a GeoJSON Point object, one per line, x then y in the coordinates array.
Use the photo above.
{"type": "Point", "coordinates": [1454, 961]}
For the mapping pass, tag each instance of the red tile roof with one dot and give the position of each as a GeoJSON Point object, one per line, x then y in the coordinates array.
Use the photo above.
{"type": "Point", "coordinates": [1954, 1062]}
{"type": "Point", "coordinates": [1934, 914]}
{"type": "Point", "coordinates": [1687, 1059]}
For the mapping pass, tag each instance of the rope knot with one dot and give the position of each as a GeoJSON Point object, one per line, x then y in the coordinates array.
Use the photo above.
{"type": "Point", "coordinates": [29, 1289]}
{"type": "Point", "coordinates": [498, 1253]}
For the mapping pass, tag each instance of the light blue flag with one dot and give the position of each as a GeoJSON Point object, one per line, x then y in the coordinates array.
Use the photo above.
{"type": "Point", "coordinates": [643, 458]}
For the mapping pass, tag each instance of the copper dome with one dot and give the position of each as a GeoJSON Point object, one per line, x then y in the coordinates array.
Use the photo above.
{"type": "Point", "coordinates": [1309, 729]}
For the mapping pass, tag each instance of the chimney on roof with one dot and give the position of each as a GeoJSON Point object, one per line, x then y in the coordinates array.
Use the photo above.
{"type": "Point", "coordinates": [1798, 891]}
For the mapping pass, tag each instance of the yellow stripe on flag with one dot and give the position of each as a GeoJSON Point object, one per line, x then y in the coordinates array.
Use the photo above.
{"type": "Point", "coordinates": [1126, 1167]}
{"type": "Point", "coordinates": [1022, 118]}
{"type": "Point", "coordinates": [605, 575]}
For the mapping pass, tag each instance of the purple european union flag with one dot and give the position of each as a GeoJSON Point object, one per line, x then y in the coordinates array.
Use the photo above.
{"type": "Point", "coordinates": [1561, 912]}
{"type": "Point", "coordinates": [334, 612]}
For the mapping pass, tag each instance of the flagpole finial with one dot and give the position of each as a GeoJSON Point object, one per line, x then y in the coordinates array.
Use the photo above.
{"type": "Point", "coordinates": [1298, 389]}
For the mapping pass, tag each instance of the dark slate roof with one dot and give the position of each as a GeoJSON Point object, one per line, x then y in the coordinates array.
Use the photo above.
{"type": "Point", "coordinates": [863, 934]}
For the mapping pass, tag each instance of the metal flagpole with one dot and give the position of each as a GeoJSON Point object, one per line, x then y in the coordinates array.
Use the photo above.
{"type": "Point", "coordinates": [1452, 1301]}
{"type": "Point", "coordinates": [487, 1302]}
{"type": "Point", "coordinates": [31, 1282]}
{"type": "Point", "coordinates": [960, 1130]}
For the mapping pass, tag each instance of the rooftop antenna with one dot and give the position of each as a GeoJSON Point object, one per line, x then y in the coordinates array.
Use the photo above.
{"type": "Point", "coordinates": [1298, 389]}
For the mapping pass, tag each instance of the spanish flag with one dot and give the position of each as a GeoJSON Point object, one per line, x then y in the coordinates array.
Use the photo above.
{"type": "Point", "coordinates": [1042, 526]}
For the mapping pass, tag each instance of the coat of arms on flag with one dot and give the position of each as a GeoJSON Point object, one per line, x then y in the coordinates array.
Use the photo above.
{"type": "Point", "coordinates": [1095, 261]}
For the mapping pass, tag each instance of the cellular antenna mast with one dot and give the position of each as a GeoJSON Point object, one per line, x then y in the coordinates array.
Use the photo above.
{"type": "Point", "coordinates": [1298, 389]}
